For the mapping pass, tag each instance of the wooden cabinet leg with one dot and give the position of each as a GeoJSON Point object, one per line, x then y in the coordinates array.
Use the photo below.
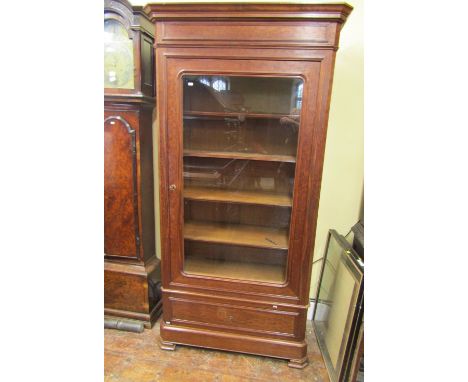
{"type": "Point", "coordinates": [165, 345]}
{"type": "Point", "coordinates": [298, 363]}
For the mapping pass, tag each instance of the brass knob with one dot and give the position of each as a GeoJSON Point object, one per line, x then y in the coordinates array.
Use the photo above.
{"type": "Point", "coordinates": [172, 187]}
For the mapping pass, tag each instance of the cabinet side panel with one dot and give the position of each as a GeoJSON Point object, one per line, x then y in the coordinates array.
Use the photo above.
{"type": "Point", "coordinates": [147, 184]}
{"type": "Point", "coordinates": [119, 213]}
{"type": "Point", "coordinates": [147, 65]}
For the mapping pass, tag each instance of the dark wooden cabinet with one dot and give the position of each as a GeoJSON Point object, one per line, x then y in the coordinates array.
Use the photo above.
{"type": "Point", "coordinates": [131, 268]}
{"type": "Point", "coordinates": [243, 94]}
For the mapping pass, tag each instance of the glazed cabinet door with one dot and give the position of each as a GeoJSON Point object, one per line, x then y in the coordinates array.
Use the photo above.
{"type": "Point", "coordinates": [239, 141]}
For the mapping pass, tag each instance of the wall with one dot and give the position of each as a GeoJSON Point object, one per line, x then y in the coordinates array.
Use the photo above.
{"type": "Point", "coordinates": [343, 173]}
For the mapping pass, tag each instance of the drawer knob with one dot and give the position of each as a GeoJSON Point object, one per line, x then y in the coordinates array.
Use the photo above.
{"type": "Point", "coordinates": [172, 187]}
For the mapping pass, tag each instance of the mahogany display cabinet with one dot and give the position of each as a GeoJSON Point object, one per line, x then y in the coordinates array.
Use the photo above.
{"type": "Point", "coordinates": [243, 93]}
{"type": "Point", "coordinates": [131, 268]}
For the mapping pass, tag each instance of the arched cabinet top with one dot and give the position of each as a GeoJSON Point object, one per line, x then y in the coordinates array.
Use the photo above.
{"type": "Point", "coordinates": [128, 52]}
{"type": "Point", "coordinates": [132, 17]}
{"type": "Point", "coordinates": [121, 120]}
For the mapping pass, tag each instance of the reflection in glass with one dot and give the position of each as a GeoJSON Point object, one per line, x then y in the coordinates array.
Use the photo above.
{"type": "Point", "coordinates": [118, 56]}
{"type": "Point", "coordinates": [240, 139]}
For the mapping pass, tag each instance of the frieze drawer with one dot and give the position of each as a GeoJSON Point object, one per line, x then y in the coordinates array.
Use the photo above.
{"type": "Point", "coordinates": [240, 317]}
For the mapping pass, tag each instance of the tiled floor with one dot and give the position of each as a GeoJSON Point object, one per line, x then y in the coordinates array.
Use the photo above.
{"type": "Point", "coordinates": [136, 357]}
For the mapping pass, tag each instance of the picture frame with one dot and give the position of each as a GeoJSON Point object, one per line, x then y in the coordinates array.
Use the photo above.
{"type": "Point", "coordinates": [339, 308]}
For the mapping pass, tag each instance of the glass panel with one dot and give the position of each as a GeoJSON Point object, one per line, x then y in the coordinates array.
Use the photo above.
{"type": "Point", "coordinates": [240, 141]}
{"type": "Point", "coordinates": [336, 303]}
{"type": "Point", "coordinates": [118, 56]}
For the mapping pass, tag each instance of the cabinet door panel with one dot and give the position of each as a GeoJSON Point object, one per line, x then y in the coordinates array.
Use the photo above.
{"type": "Point", "coordinates": [237, 138]}
{"type": "Point", "coordinates": [120, 219]}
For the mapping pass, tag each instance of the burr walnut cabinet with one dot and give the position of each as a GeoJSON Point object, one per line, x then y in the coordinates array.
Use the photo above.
{"type": "Point", "coordinates": [131, 268]}
{"type": "Point", "coordinates": [243, 93]}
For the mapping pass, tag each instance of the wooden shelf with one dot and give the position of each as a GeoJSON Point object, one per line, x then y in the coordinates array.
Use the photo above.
{"type": "Point", "coordinates": [234, 270]}
{"type": "Point", "coordinates": [235, 234]}
{"type": "Point", "coordinates": [215, 114]}
{"type": "Point", "coordinates": [248, 197]}
{"type": "Point", "coordinates": [239, 155]}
